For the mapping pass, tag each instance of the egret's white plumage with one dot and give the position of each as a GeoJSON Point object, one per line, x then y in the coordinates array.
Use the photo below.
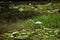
{"type": "Point", "coordinates": [37, 22]}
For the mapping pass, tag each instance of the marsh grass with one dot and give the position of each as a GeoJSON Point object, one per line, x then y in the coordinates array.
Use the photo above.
{"type": "Point", "coordinates": [50, 20]}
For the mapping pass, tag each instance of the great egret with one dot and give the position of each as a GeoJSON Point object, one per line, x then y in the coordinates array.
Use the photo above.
{"type": "Point", "coordinates": [37, 22]}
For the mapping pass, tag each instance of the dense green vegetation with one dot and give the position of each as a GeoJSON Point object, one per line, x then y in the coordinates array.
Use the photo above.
{"type": "Point", "coordinates": [24, 26]}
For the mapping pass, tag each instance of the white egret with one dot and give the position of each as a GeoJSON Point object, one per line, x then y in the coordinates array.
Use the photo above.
{"type": "Point", "coordinates": [37, 22]}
